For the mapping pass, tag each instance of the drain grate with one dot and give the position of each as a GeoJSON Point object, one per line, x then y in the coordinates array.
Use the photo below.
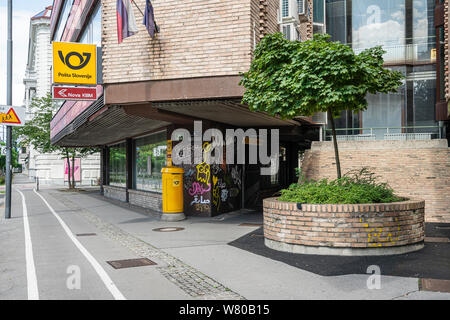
{"type": "Point", "coordinates": [435, 285]}
{"type": "Point", "coordinates": [168, 229]}
{"type": "Point", "coordinates": [437, 239]}
{"type": "Point", "coordinates": [246, 224]}
{"type": "Point", "coordinates": [86, 234]}
{"type": "Point", "coordinates": [131, 263]}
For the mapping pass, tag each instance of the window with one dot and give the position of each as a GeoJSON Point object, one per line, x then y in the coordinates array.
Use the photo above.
{"type": "Point", "coordinates": [379, 22]}
{"type": "Point", "coordinates": [319, 11]}
{"type": "Point", "coordinates": [67, 6]}
{"type": "Point", "coordinates": [285, 8]}
{"type": "Point", "coordinates": [287, 32]}
{"type": "Point", "coordinates": [150, 155]}
{"type": "Point", "coordinates": [92, 33]}
{"type": "Point", "coordinates": [301, 6]}
{"type": "Point", "coordinates": [424, 32]}
{"type": "Point", "coordinates": [319, 16]}
{"type": "Point", "coordinates": [337, 20]}
{"type": "Point", "coordinates": [117, 165]}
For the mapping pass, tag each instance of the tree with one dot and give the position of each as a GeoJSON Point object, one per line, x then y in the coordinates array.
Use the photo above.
{"type": "Point", "coordinates": [36, 132]}
{"type": "Point", "coordinates": [293, 78]}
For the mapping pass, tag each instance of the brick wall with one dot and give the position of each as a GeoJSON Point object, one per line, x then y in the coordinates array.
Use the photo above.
{"type": "Point", "coordinates": [416, 169]}
{"type": "Point", "coordinates": [306, 24]}
{"type": "Point", "coordinates": [344, 226]}
{"type": "Point", "coordinates": [197, 38]}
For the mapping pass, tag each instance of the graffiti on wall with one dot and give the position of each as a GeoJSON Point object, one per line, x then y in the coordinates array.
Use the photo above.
{"type": "Point", "coordinates": [211, 188]}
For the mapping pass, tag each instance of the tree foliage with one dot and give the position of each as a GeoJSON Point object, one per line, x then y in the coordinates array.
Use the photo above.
{"type": "Point", "coordinates": [36, 132]}
{"type": "Point", "coordinates": [293, 78]}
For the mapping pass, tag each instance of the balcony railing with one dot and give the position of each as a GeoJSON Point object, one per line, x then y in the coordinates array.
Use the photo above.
{"type": "Point", "coordinates": [405, 53]}
{"type": "Point", "coordinates": [386, 133]}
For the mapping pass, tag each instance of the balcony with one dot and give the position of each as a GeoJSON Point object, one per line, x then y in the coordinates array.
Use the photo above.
{"type": "Point", "coordinates": [387, 133]}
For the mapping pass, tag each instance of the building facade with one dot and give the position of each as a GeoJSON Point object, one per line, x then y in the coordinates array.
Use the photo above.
{"type": "Point", "coordinates": [442, 79]}
{"type": "Point", "coordinates": [190, 71]}
{"type": "Point", "coordinates": [407, 32]}
{"type": "Point", "coordinates": [49, 168]}
{"type": "Point", "coordinates": [151, 87]}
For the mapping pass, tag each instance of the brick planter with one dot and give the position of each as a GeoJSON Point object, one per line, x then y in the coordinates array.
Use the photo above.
{"type": "Point", "coordinates": [344, 229]}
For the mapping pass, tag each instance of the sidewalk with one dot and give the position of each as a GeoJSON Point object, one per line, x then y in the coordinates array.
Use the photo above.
{"type": "Point", "coordinates": [204, 245]}
{"type": "Point", "coordinates": [198, 262]}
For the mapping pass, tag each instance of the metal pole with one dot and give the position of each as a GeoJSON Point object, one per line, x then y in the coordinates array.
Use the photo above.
{"type": "Point", "coordinates": [9, 103]}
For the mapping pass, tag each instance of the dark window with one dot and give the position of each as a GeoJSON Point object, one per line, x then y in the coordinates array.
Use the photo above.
{"type": "Point", "coordinates": [117, 165]}
{"type": "Point", "coordinates": [336, 20]}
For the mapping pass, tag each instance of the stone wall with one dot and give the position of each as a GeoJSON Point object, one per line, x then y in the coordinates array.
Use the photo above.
{"type": "Point", "coordinates": [346, 229]}
{"type": "Point", "coordinates": [415, 169]}
{"type": "Point", "coordinates": [116, 193]}
{"type": "Point", "coordinates": [145, 199]}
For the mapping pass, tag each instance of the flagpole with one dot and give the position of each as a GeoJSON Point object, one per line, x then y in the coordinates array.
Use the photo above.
{"type": "Point", "coordinates": [156, 26]}
{"type": "Point", "coordinates": [137, 7]}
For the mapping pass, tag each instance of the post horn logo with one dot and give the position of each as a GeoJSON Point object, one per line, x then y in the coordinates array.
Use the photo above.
{"type": "Point", "coordinates": [83, 61]}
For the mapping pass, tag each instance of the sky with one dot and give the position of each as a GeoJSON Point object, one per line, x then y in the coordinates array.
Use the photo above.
{"type": "Point", "coordinates": [23, 10]}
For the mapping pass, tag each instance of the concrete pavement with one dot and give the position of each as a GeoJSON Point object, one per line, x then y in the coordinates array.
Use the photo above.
{"type": "Point", "coordinates": [194, 263]}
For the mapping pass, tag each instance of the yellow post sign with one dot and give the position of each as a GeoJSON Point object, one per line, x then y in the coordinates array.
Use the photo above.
{"type": "Point", "coordinates": [74, 63]}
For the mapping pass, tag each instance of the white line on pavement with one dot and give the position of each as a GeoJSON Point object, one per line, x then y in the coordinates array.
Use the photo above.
{"type": "Point", "coordinates": [32, 286]}
{"type": "Point", "coordinates": [97, 267]}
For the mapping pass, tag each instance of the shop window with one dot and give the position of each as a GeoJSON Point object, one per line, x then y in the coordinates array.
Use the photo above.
{"type": "Point", "coordinates": [150, 158]}
{"type": "Point", "coordinates": [117, 165]}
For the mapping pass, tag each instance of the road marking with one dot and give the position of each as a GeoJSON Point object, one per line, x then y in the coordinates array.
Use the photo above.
{"type": "Point", "coordinates": [97, 267]}
{"type": "Point", "coordinates": [32, 286]}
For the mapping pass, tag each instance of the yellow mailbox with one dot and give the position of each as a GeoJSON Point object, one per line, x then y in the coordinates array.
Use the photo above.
{"type": "Point", "coordinates": [172, 181]}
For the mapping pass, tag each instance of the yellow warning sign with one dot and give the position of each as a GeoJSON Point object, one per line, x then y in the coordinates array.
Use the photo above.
{"type": "Point", "coordinates": [74, 63]}
{"type": "Point", "coordinates": [12, 116]}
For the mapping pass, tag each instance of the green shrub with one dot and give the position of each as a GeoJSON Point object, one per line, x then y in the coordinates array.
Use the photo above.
{"type": "Point", "coordinates": [358, 186]}
{"type": "Point", "coordinates": [2, 179]}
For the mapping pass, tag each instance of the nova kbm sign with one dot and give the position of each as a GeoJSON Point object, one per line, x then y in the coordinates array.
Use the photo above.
{"type": "Point", "coordinates": [12, 116]}
{"type": "Point", "coordinates": [74, 93]}
{"type": "Point", "coordinates": [74, 63]}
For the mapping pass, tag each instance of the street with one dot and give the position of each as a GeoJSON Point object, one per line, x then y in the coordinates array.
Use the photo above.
{"type": "Point", "coordinates": [58, 248]}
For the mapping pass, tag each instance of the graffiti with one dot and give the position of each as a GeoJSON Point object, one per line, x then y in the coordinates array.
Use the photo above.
{"type": "Point", "coordinates": [190, 173]}
{"type": "Point", "coordinates": [233, 192]}
{"type": "Point", "coordinates": [378, 236]}
{"type": "Point", "coordinates": [224, 195]}
{"type": "Point", "coordinates": [216, 193]}
{"type": "Point", "coordinates": [200, 200]}
{"type": "Point", "coordinates": [198, 189]}
{"type": "Point", "coordinates": [201, 207]}
{"type": "Point", "coordinates": [216, 169]}
{"type": "Point", "coordinates": [236, 176]}
{"type": "Point", "coordinates": [203, 172]}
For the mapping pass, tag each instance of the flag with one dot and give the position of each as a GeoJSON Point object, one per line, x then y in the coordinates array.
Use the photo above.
{"type": "Point", "coordinates": [126, 22]}
{"type": "Point", "coordinates": [149, 19]}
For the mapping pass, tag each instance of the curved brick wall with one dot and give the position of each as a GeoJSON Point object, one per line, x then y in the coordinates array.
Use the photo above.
{"type": "Point", "coordinates": [348, 229]}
